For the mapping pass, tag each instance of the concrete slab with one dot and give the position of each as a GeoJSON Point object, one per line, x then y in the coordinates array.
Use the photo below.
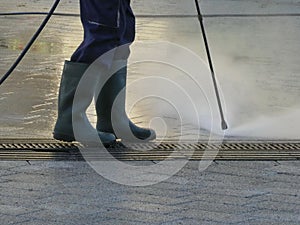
{"type": "Point", "coordinates": [84, 196]}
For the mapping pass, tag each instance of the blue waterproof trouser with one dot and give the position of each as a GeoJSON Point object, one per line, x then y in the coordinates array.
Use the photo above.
{"type": "Point", "coordinates": [107, 24]}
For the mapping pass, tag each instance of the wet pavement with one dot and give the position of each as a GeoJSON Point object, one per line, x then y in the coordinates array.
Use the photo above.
{"type": "Point", "coordinates": [257, 64]}
{"type": "Point", "coordinates": [255, 58]}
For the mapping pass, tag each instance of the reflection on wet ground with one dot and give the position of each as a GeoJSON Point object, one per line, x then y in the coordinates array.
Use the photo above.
{"type": "Point", "coordinates": [256, 61]}
{"type": "Point", "coordinates": [28, 98]}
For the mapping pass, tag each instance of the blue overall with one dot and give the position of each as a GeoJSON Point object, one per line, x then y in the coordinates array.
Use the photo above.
{"type": "Point", "coordinates": [107, 24]}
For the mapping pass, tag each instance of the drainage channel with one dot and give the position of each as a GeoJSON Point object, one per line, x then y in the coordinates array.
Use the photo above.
{"type": "Point", "coordinates": [30, 149]}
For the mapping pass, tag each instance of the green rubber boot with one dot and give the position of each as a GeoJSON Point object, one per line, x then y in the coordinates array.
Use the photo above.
{"type": "Point", "coordinates": [63, 131]}
{"type": "Point", "coordinates": [116, 121]}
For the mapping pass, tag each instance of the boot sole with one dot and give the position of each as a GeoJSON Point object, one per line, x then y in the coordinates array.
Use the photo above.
{"type": "Point", "coordinates": [142, 139]}
{"type": "Point", "coordinates": [67, 138]}
{"type": "Point", "coordinates": [63, 137]}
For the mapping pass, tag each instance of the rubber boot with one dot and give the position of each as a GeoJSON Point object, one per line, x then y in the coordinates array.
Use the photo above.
{"type": "Point", "coordinates": [111, 115]}
{"type": "Point", "coordinates": [72, 73]}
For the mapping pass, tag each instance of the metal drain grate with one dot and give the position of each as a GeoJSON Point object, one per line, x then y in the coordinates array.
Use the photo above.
{"type": "Point", "coordinates": [50, 145]}
{"type": "Point", "coordinates": [283, 146]}
{"type": "Point", "coordinates": [20, 149]}
{"type": "Point", "coordinates": [229, 150]}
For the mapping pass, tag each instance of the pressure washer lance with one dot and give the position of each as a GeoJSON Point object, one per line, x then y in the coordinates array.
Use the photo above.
{"type": "Point", "coordinates": [30, 43]}
{"type": "Point", "coordinates": [200, 17]}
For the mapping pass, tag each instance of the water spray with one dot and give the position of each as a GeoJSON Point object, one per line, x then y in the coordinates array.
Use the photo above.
{"type": "Point", "coordinates": [200, 17]}
{"type": "Point", "coordinates": [30, 43]}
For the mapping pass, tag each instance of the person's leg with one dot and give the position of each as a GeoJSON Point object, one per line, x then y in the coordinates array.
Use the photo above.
{"type": "Point", "coordinates": [100, 22]}
{"type": "Point", "coordinates": [116, 86]}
